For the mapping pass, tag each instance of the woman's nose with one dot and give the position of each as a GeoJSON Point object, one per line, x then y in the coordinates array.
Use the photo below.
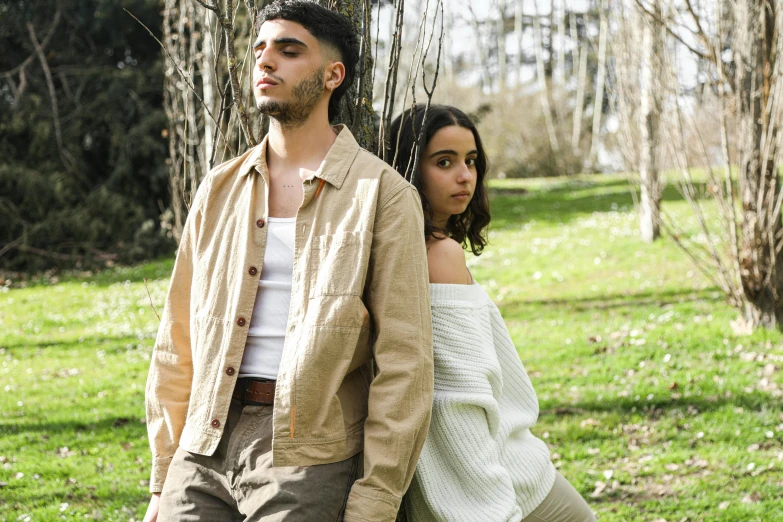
{"type": "Point", "coordinates": [465, 174]}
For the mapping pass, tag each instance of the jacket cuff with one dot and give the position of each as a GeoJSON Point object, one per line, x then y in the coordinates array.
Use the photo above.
{"type": "Point", "coordinates": [160, 467]}
{"type": "Point", "coordinates": [369, 505]}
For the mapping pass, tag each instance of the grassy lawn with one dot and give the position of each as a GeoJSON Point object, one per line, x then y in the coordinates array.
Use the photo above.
{"type": "Point", "coordinates": [653, 408]}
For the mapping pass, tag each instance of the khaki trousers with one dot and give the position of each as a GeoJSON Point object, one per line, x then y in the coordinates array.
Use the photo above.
{"type": "Point", "coordinates": [562, 504]}
{"type": "Point", "coordinates": [238, 482]}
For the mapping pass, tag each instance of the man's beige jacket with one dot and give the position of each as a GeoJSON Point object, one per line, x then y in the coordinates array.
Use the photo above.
{"type": "Point", "coordinates": [356, 371]}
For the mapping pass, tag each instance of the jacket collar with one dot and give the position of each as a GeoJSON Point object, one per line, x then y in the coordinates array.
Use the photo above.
{"type": "Point", "coordinates": [333, 169]}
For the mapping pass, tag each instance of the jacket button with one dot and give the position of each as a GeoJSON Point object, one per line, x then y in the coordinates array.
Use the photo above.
{"type": "Point", "coordinates": [215, 423]}
{"type": "Point", "coordinates": [253, 271]}
{"type": "Point", "coordinates": [241, 321]}
{"type": "Point", "coordinates": [260, 223]}
{"type": "Point", "coordinates": [230, 371]}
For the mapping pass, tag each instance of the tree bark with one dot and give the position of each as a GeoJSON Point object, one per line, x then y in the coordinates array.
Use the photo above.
{"type": "Point", "coordinates": [650, 114]}
{"type": "Point", "coordinates": [501, 43]}
{"type": "Point", "coordinates": [599, 88]}
{"type": "Point", "coordinates": [761, 267]}
{"type": "Point", "coordinates": [208, 82]}
{"type": "Point", "coordinates": [543, 86]}
{"type": "Point", "coordinates": [356, 106]}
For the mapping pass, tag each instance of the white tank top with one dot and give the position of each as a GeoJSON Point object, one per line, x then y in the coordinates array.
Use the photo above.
{"type": "Point", "coordinates": [266, 334]}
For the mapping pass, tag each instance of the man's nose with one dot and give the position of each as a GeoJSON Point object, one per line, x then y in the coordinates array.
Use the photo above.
{"type": "Point", "coordinates": [265, 61]}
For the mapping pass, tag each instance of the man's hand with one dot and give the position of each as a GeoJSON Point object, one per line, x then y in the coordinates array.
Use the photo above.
{"type": "Point", "coordinates": [152, 510]}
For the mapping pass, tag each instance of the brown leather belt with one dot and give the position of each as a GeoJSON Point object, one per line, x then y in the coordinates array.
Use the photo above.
{"type": "Point", "coordinates": [254, 391]}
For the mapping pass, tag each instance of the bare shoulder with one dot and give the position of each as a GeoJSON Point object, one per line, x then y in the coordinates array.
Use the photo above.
{"type": "Point", "coordinates": [446, 261]}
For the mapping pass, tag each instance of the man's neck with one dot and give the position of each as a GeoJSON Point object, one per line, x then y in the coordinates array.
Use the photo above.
{"type": "Point", "coordinates": [301, 148]}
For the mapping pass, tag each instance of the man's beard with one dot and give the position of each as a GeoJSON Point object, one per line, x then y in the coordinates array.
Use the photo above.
{"type": "Point", "coordinates": [305, 95]}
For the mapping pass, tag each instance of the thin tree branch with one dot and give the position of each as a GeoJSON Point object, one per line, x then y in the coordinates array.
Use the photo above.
{"type": "Point", "coordinates": [65, 156]}
{"type": "Point", "coordinates": [208, 6]}
{"type": "Point", "coordinates": [671, 32]}
{"type": "Point", "coordinates": [431, 90]}
{"type": "Point", "coordinates": [182, 74]}
{"type": "Point", "coordinates": [227, 22]}
{"type": "Point", "coordinates": [32, 57]}
{"type": "Point", "coordinates": [150, 297]}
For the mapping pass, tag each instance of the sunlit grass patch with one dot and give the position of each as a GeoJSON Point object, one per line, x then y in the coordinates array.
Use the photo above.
{"type": "Point", "coordinates": [653, 408]}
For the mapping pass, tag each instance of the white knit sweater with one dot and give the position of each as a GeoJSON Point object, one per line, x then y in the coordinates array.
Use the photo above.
{"type": "Point", "coordinates": [480, 463]}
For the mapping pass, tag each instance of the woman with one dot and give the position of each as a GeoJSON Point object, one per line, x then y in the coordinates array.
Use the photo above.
{"type": "Point", "coordinates": [480, 463]}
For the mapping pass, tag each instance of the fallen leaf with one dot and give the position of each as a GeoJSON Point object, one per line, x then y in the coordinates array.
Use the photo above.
{"type": "Point", "coordinates": [752, 498]}
{"type": "Point", "coordinates": [64, 452]}
{"type": "Point", "coordinates": [599, 488]}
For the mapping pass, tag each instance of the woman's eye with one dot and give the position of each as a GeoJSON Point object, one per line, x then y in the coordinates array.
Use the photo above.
{"type": "Point", "coordinates": [471, 162]}
{"type": "Point", "coordinates": [445, 163]}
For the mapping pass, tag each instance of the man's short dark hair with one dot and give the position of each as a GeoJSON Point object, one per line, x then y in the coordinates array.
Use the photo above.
{"type": "Point", "coordinates": [328, 27]}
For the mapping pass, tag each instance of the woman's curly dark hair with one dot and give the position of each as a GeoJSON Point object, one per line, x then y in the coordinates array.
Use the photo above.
{"type": "Point", "coordinates": [468, 228]}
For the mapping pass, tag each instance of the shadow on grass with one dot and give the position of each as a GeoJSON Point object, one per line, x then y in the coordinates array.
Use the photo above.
{"type": "Point", "coordinates": [661, 407]}
{"type": "Point", "coordinates": [80, 496]}
{"type": "Point", "coordinates": [551, 204]}
{"type": "Point", "coordinates": [605, 302]}
{"type": "Point", "coordinates": [119, 426]}
{"type": "Point", "coordinates": [87, 343]}
{"type": "Point", "coordinates": [151, 270]}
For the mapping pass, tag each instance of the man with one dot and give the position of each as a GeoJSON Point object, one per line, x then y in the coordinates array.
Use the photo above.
{"type": "Point", "coordinates": [291, 379]}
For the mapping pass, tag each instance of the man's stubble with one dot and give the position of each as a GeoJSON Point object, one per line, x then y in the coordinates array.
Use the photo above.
{"type": "Point", "coordinates": [305, 97]}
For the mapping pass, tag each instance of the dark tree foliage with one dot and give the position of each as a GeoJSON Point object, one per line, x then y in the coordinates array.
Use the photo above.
{"type": "Point", "coordinates": [95, 194]}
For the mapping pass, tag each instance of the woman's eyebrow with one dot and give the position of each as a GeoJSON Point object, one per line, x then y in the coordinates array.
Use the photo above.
{"type": "Point", "coordinates": [444, 151]}
{"type": "Point", "coordinates": [452, 152]}
{"type": "Point", "coordinates": [286, 40]}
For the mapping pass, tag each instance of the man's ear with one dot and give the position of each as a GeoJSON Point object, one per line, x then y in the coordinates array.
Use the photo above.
{"type": "Point", "coordinates": [334, 75]}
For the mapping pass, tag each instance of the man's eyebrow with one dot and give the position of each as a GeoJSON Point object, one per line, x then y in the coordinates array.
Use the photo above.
{"type": "Point", "coordinates": [280, 41]}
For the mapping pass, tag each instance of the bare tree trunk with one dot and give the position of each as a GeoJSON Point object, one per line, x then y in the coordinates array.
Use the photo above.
{"type": "Point", "coordinates": [599, 88]}
{"type": "Point", "coordinates": [501, 42]}
{"type": "Point", "coordinates": [576, 136]}
{"type": "Point", "coordinates": [208, 81]}
{"type": "Point", "coordinates": [543, 86]}
{"type": "Point", "coordinates": [752, 278]}
{"type": "Point", "coordinates": [557, 57]}
{"type": "Point", "coordinates": [759, 183]}
{"type": "Point", "coordinates": [650, 113]}
{"type": "Point", "coordinates": [448, 56]}
{"type": "Point", "coordinates": [356, 107]}
{"type": "Point", "coordinates": [518, 39]}
{"type": "Point", "coordinates": [175, 40]}
{"type": "Point", "coordinates": [486, 77]}
{"type": "Point", "coordinates": [561, 23]}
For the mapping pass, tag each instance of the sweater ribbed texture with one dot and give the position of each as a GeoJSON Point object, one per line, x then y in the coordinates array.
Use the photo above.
{"type": "Point", "coordinates": [480, 463]}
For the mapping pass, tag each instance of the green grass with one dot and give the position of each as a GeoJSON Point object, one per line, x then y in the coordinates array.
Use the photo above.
{"type": "Point", "coordinates": [653, 408]}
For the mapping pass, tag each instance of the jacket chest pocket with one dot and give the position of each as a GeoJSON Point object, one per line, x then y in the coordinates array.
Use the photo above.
{"type": "Point", "coordinates": [339, 263]}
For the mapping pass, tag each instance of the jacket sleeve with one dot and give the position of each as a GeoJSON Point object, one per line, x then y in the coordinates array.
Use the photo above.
{"type": "Point", "coordinates": [400, 396]}
{"type": "Point", "coordinates": [171, 367]}
{"type": "Point", "coordinates": [460, 475]}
